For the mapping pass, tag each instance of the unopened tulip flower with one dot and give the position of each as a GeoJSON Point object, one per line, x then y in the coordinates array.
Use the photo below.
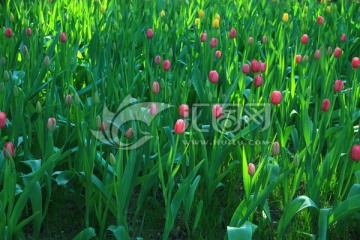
{"type": "Point", "coordinates": [325, 106]}
{"type": "Point", "coordinates": [355, 62]}
{"type": "Point", "coordinates": [179, 127]}
{"type": "Point", "coordinates": [8, 32]}
{"type": "Point", "coordinates": [258, 81]}
{"type": "Point", "coordinates": [262, 67]}
{"type": "Point", "coordinates": [343, 37]}
{"type": "Point", "coordinates": [320, 20]}
{"type": "Point", "coordinates": [218, 54]}
{"type": "Point", "coordinates": [2, 120]}
{"type": "Point", "coordinates": [9, 150]}
{"type": "Point", "coordinates": [275, 149]}
{"type": "Point", "coordinates": [355, 152]}
{"type": "Point", "coordinates": [129, 133]}
{"type": "Point", "coordinates": [166, 65]}
{"type": "Point", "coordinates": [201, 13]}
{"type": "Point", "coordinates": [153, 109]}
{"type": "Point", "coordinates": [338, 85]}
{"type": "Point", "coordinates": [264, 39]}
{"type": "Point", "coordinates": [232, 33]}
{"type": "Point", "coordinates": [246, 68]}
{"type": "Point", "coordinates": [46, 61]}
{"type": "Point", "coordinates": [155, 87]}
{"type": "Point", "coordinates": [298, 59]}
{"type": "Point", "coordinates": [276, 97]}
{"type": "Point", "coordinates": [184, 110]}
{"type": "Point", "coordinates": [317, 54]}
{"type": "Point", "coordinates": [217, 111]}
{"type": "Point", "coordinates": [28, 32]}
{"type": "Point", "coordinates": [63, 37]}
{"type": "Point", "coordinates": [250, 40]}
{"type": "Point", "coordinates": [162, 13]}
{"type": "Point", "coordinates": [255, 66]}
{"type": "Point", "coordinates": [213, 42]}
{"type": "Point", "coordinates": [157, 60]}
{"type": "Point", "coordinates": [304, 39]}
{"type": "Point", "coordinates": [216, 23]}
{"type": "Point", "coordinates": [203, 37]}
{"type": "Point", "coordinates": [337, 52]}
{"type": "Point", "coordinates": [213, 76]}
{"type": "Point", "coordinates": [149, 33]}
{"type": "Point", "coordinates": [251, 169]}
{"type": "Point", "coordinates": [68, 99]}
{"type": "Point", "coordinates": [285, 17]}
{"type": "Point", "coordinates": [51, 124]}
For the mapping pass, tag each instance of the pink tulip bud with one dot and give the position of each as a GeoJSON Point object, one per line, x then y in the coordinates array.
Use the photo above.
{"type": "Point", "coordinates": [276, 97]}
{"type": "Point", "coordinates": [46, 61]}
{"type": "Point", "coordinates": [166, 65]}
{"type": "Point", "coordinates": [153, 109]}
{"type": "Point", "coordinates": [251, 169]}
{"type": "Point", "coordinates": [320, 20]}
{"type": "Point", "coordinates": [218, 54]}
{"type": "Point", "coordinates": [149, 33]}
{"type": "Point", "coordinates": [217, 111]}
{"type": "Point", "coordinates": [68, 99]}
{"type": "Point", "coordinates": [157, 60]}
{"type": "Point", "coordinates": [2, 120]}
{"type": "Point", "coordinates": [298, 59]}
{"type": "Point", "coordinates": [184, 110]}
{"type": "Point", "coordinates": [63, 37]}
{"type": "Point", "coordinates": [213, 76]}
{"type": "Point", "coordinates": [246, 68]}
{"type": "Point", "coordinates": [28, 32]}
{"type": "Point", "coordinates": [203, 37]}
{"type": "Point", "coordinates": [275, 149]}
{"type": "Point", "coordinates": [250, 40]}
{"type": "Point", "coordinates": [337, 52]}
{"type": "Point", "coordinates": [355, 152]}
{"type": "Point", "coordinates": [232, 33]}
{"type": "Point", "coordinates": [262, 67]}
{"type": "Point", "coordinates": [317, 54]}
{"type": "Point", "coordinates": [264, 39]}
{"type": "Point", "coordinates": [343, 37]}
{"type": "Point", "coordinates": [338, 85]}
{"type": "Point", "coordinates": [213, 42]}
{"type": "Point", "coordinates": [155, 87]}
{"type": "Point", "coordinates": [258, 81]}
{"type": "Point", "coordinates": [179, 127]}
{"type": "Point", "coordinates": [102, 126]}
{"type": "Point", "coordinates": [255, 66]}
{"type": "Point", "coordinates": [355, 62]}
{"type": "Point", "coordinates": [325, 106]}
{"type": "Point", "coordinates": [304, 39]}
{"type": "Point", "coordinates": [8, 32]}
{"type": "Point", "coordinates": [9, 150]}
{"type": "Point", "coordinates": [51, 124]}
{"type": "Point", "coordinates": [129, 133]}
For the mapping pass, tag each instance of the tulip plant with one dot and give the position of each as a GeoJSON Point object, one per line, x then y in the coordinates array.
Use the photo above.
{"type": "Point", "coordinates": [180, 119]}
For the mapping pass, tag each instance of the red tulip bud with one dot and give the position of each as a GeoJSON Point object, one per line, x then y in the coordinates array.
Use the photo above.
{"type": "Point", "coordinates": [337, 52]}
{"type": "Point", "coordinates": [203, 37]}
{"type": "Point", "coordinates": [166, 65]}
{"type": "Point", "coordinates": [129, 133]}
{"type": "Point", "coordinates": [2, 120]}
{"type": "Point", "coordinates": [298, 59]}
{"type": "Point", "coordinates": [63, 37]}
{"type": "Point", "coordinates": [218, 54]}
{"type": "Point", "coordinates": [355, 62]}
{"type": "Point", "coordinates": [217, 111]}
{"type": "Point", "coordinates": [155, 87]}
{"type": "Point", "coordinates": [304, 39]}
{"type": "Point", "coordinates": [8, 32]}
{"type": "Point", "coordinates": [258, 80]}
{"type": "Point", "coordinates": [184, 110]}
{"type": "Point", "coordinates": [157, 60]}
{"type": "Point", "coordinates": [251, 169]}
{"type": "Point", "coordinates": [317, 54]}
{"type": "Point", "coordinates": [68, 99]}
{"type": "Point", "coordinates": [149, 33]}
{"type": "Point", "coordinates": [28, 32]}
{"type": "Point", "coordinates": [338, 85]}
{"type": "Point", "coordinates": [355, 152]}
{"type": "Point", "coordinates": [250, 40]}
{"type": "Point", "coordinates": [246, 68]}
{"type": "Point", "coordinates": [343, 37]}
{"type": "Point", "coordinates": [213, 76]}
{"type": "Point", "coordinates": [213, 42]}
{"type": "Point", "coordinates": [325, 106]}
{"type": "Point", "coordinates": [320, 20]}
{"type": "Point", "coordinates": [276, 97]}
{"type": "Point", "coordinates": [179, 127]}
{"type": "Point", "coordinates": [51, 124]}
{"type": "Point", "coordinates": [275, 149]}
{"type": "Point", "coordinates": [255, 66]}
{"type": "Point", "coordinates": [232, 33]}
{"type": "Point", "coordinates": [9, 150]}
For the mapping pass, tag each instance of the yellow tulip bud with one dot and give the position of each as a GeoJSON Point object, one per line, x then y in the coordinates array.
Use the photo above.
{"type": "Point", "coordinates": [102, 9]}
{"type": "Point", "coordinates": [162, 13]}
{"type": "Point", "coordinates": [216, 23]}
{"type": "Point", "coordinates": [328, 9]}
{"type": "Point", "coordinates": [285, 17]}
{"type": "Point", "coordinates": [197, 21]}
{"type": "Point", "coordinates": [201, 13]}
{"type": "Point", "coordinates": [217, 16]}
{"type": "Point", "coordinates": [12, 18]}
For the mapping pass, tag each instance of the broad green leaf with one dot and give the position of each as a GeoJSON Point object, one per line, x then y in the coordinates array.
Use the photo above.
{"type": "Point", "coordinates": [86, 234]}
{"type": "Point", "coordinates": [345, 209]}
{"type": "Point", "coordinates": [119, 232]}
{"type": "Point", "coordinates": [294, 207]}
{"type": "Point", "coordinates": [323, 222]}
{"type": "Point", "coordinates": [241, 233]}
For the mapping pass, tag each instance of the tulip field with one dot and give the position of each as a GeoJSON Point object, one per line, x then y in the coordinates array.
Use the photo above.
{"type": "Point", "coordinates": [179, 119]}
